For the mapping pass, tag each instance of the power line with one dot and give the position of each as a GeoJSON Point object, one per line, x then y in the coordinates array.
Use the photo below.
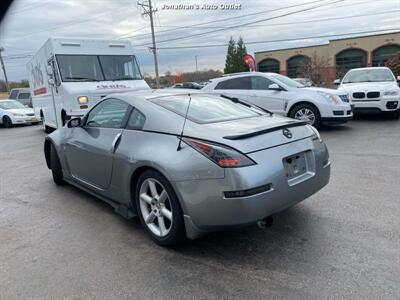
{"type": "Point", "coordinates": [230, 18]}
{"type": "Point", "coordinates": [240, 25]}
{"type": "Point", "coordinates": [284, 40]}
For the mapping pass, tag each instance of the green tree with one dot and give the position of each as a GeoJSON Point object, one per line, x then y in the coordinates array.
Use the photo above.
{"type": "Point", "coordinates": [241, 50]}
{"type": "Point", "coordinates": [230, 62]}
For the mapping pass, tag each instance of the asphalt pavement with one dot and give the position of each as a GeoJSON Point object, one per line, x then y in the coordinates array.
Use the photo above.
{"type": "Point", "coordinates": [343, 242]}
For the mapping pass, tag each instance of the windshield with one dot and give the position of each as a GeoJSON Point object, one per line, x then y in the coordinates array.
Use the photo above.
{"type": "Point", "coordinates": [207, 109]}
{"type": "Point", "coordinates": [10, 105]}
{"type": "Point", "coordinates": [75, 68]}
{"type": "Point", "coordinates": [377, 75]}
{"type": "Point", "coordinates": [287, 81]}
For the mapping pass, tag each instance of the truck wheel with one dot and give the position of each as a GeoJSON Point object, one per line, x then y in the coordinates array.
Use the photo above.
{"type": "Point", "coordinates": [159, 210]}
{"type": "Point", "coordinates": [7, 123]}
{"type": "Point", "coordinates": [306, 112]}
{"type": "Point", "coordinates": [56, 168]}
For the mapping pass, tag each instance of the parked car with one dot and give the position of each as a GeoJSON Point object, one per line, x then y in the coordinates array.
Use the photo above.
{"type": "Point", "coordinates": [304, 81]}
{"type": "Point", "coordinates": [13, 112]}
{"type": "Point", "coordinates": [187, 85]}
{"type": "Point", "coordinates": [227, 164]}
{"type": "Point", "coordinates": [283, 95]}
{"type": "Point", "coordinates": [22, 95]}
{"type": "Point", "coordinates": [372, 90]}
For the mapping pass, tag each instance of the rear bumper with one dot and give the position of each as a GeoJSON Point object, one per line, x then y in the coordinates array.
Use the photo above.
{"type": "Point", "coordinates": [207, 209]}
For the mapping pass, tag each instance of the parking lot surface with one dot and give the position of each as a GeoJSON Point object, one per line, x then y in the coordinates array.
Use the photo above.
{"type": "Point", "coordinates": [343, 242]}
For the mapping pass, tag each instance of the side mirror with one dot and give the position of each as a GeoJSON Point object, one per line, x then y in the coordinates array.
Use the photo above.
{"type": "Point", "coordinates": [336, 82]}
{"type": "Point", "coordinates": [49, 71]}
{"type": "Point", "coordinates": [274, 87]}
{"type": "Point", "coordinates": [398, 78]}
{"type": "Point", "coordinates": [75, 122]}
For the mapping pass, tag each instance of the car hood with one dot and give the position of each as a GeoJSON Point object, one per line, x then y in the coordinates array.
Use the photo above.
{"type": "Point", "coordinates": [21, 111]}
{"type": "Point", "coordinates": [368, 86]}
{"type": "Point", "coordinates": [250, 134]}
{"type": "Point", "coordinates": [325, 90]}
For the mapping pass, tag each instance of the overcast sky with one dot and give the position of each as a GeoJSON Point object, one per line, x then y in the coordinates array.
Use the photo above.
{"type": "Point", "coordinates": [29, 23]}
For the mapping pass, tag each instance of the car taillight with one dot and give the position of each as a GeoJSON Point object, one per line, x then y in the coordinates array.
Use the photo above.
{"type": "Point", "coordinates": [223, 156]}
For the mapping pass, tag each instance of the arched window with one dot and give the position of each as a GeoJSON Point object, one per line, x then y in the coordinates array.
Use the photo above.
{"type": "Point", "coordinates": [294, 65]}
{"type": "Point", "coordinates": [350, 59]}
{"type": "Point", "coordinates": [269, 65]}
{"type": "Point", "coordinates": [382, 54]}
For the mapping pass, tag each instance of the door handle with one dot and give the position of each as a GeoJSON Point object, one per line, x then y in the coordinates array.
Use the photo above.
{"type": "Point", "coordinates": [115, 142]}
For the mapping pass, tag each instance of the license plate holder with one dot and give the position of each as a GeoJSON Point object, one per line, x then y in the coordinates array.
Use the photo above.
{"type": "Point", "coordinates": [295, 165]}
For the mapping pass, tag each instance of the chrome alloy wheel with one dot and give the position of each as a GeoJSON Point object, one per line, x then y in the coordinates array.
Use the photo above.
{"type": "Point", "coordinates": [155, 207]}
{"type": "Point", "coordinates": [305, 114]}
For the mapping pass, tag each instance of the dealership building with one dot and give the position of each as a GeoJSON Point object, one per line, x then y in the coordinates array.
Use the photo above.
{"type": "Point", "coordinates": [340, 55]}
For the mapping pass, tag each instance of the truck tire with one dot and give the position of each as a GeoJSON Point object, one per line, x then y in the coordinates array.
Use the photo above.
{"type": "Point", "coordinates": [46, 128]}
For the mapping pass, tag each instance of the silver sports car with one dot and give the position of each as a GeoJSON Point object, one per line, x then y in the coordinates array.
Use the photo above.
{"type": "Point", "coordinates": [188, 162]}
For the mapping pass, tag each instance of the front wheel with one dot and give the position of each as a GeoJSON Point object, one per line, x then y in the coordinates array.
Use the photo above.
{"type": "Point", "coordinates": [46, 128]}
{"type": "Point", "coordinates": [158, 209]}
{"type": "Point", "coordinates": [306, 112]}
{"type": "Point", "coordinates": [56, 168]}
{"type": "Point", "coordinates": [7, 123]}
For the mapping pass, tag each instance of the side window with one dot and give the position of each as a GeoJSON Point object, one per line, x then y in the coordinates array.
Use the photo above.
{"type": "Point", "coordinates": [24, 95]}
{"type": "Point", "coordinates": [260, 83]}
{"type": "Point", "coordinates": [13, 94]}
{"type": "Point", "coordinates": [108, 114]}
{"type": "Point", "coordinates": [241, 83]}
{"type": "Point", "coordinates": [136, 120]}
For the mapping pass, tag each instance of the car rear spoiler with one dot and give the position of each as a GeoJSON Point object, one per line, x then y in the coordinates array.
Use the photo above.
{"type": "Point", "coordinates": [263, 131]}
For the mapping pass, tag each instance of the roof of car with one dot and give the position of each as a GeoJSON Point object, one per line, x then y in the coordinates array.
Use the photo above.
{"type": "Point", "coordinates": [370, 68]}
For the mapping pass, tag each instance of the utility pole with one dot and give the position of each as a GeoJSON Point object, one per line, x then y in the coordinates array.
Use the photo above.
{"type": "Point", "coordinates": [4, 70]}
{"type": "Point", "coordinates": [148, 10]}
{"type": "Point", "coordinates": [195, 57]}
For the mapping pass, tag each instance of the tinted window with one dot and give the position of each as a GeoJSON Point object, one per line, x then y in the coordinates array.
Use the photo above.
{"type": "Point", "coordinates": [241, 83]}
{"type": "Point", "coordinates": [260, 83]}
{"type": "Point", "coordinates": [136, 120]}
{"type": "Point", "coordinates": [13, 94]}
{"type": "Point", "coordinates": [24, 95]}
{"type": "Point", "coordinates": [79, 68]}
{"type": "Point", "coordinates": [207, 109]}
{"type": "Point", "coordinates": [108, 114]}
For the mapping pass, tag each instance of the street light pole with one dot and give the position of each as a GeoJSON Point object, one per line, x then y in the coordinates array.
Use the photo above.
{"type": "Point", "coordinates": [4, 70]}
{"type": "Point", "coordinates": [195, 57]}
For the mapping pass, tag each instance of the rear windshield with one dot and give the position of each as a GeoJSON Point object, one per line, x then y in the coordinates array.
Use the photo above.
{"type": "Point", "coordinates": [207, 108]}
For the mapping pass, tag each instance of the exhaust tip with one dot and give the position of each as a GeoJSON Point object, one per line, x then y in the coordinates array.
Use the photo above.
{"type": "Point", "coordinates": [266, 222]}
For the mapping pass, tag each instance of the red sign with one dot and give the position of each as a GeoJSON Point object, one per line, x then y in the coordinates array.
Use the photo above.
{"type": "Point", "coordinates": [40, 91]}
{"type": "Point", "coordinates": [249, 61]}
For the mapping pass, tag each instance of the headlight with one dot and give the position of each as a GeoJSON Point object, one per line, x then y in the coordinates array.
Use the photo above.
{"type": "Point", "coordinates": [316, 135]}
{"type": "Point", "coordinates": [391, 93]}
{"type": "Point", "coordinates": [18, 115]}
{"type": "Point", "coordinates": [332, 99]}
{"type": "Point", "coordinates": [83, 100]}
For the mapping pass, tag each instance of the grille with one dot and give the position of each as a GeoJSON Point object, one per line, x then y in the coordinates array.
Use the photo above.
{"type": "Point", "coordinates": [358, 95]}
{"type": "Point", "coordinates": [30, 115]}
{"type": "Point", "coordinates": [344, 98]}
{"type": "Point", "coordinates": [373, 95]}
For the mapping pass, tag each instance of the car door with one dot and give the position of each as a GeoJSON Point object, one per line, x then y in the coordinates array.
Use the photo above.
{"type": "Point", "coordinates": [235, 87]}
{"type": "Point", "coordinates": [90, 148]}
{"type": "Point", "coordinates": [261, 95]}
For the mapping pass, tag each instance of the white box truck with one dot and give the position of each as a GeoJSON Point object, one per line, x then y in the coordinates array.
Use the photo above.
{"type": "Point", "coordinates": [69, 76]}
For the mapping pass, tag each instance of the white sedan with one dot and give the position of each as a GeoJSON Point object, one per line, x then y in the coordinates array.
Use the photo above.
{"type": "Point", "coordinates": [282, 95]}
{"type": "Point", "coordinates": [12, 112]}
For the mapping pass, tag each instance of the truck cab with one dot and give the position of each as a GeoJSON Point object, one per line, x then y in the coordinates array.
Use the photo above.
{"type": "Point", "coordinates": [68, 77]}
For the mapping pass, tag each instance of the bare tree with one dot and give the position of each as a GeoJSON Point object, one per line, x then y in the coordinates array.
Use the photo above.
{"type": "Point", "coordinates": [393, 64]}
{"type": "Point", "coordinates": [316, 69]}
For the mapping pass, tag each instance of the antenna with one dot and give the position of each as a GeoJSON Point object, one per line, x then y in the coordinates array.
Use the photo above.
{"type": "Point", "coordinates": [184, 123]}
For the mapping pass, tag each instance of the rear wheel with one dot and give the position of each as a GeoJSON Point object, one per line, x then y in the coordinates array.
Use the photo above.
{"type": "Point", "coordinates": [46, 128]}
{"type": "Point", "coordinates": [306, 112]}
{"type": "Point", "coordinates": [7, 123]}
{"type": "Point", "coordinates": [56, 168]}
{"type": "Point", "coordinates": [158, 209]}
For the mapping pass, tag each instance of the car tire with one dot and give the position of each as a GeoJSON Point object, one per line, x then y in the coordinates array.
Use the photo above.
{"type": "Point", "coordinates": [395, 114]}
{"type": "Point", "coordinates": [7, 123]}
{"type": "Point", "coordinates": [309, 112]}
{"type": "Point", "coordinates": [56, 168]}
{"type": "Point", "coordinates": [151, 211]}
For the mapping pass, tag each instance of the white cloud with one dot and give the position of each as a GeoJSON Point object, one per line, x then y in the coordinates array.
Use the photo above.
{"type": "Point", "coordinates": [29, 24]}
